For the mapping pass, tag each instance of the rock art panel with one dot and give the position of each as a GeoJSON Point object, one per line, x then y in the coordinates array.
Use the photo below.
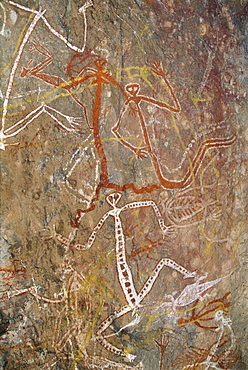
{"type": "Point", "coordinates": [123, 143]}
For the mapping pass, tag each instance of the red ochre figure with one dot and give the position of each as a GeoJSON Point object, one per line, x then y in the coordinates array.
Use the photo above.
{"type": "Point", "coordinates": [99, 77]}
{"type": "Point", "coordinates": [131, 94]}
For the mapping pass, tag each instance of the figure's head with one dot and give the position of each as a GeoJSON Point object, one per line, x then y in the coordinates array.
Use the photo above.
{"type": "Point", "coordinates": [113, 199]}
{"type": "Point", "coordinates": [133, 89]}
{"type": "Point", "coordinates": [99, 63]}
{"type": "Point", "coordinates": [79, 62]}
{"type": "Point", "coordinates": [219, 315]}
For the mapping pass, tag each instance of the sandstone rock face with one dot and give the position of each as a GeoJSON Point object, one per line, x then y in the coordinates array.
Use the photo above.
{"type": "Point", "coordinates": [123, 184]}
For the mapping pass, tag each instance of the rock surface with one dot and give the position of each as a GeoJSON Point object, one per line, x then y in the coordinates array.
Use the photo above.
{"type": "Point", "coordinates": [123, 185]}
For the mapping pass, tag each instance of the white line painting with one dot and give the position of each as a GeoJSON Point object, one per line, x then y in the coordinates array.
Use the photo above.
{"type": "Point", "coordinates": [140, 274]}
{"type": "Point", "coordinates": [16, 128]}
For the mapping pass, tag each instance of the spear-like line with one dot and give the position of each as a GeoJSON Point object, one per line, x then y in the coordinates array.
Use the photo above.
{"type": "Point", "coordinates": [38, 15]}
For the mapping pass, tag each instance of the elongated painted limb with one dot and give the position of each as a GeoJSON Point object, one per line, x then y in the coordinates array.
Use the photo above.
{"type": "Point", "coordinates": [104, 325]}
{"type": "Point", "coordinates": [74, 122]}
{"type": "Point", "coordinates": [69, 123]}
{"type": "Point", "coordinates": [2, 31]}
{"type": "Point", "coordinates": [92, 236]}
{"type": "Point", "coordinates": [33, 291]}
{"type": "Point", "coordinates": [142, 294]}
{"type": "Point", "coordinates": [164, 262]}
{"type": "Point", "coordinates": [34, 71]}
{"type": "Point", "coordinates": [39, 14]}
{"type": "Point", "coordinates": [65, 241]}
{"type": "Point", "coordinates": [196, 162]}
{"type": "Point", "coordinates": [140, 151]}
{"type": "Point", "coordinates": [7, 295]}
{"type": "Point", "coordinates": [157, 68]}
{"type": "Point", "coordinates": [150, 203]}
{"type": "Point", "coordinates": [23, 123]}
{"type": "Point", "coordinates": [51, 79]}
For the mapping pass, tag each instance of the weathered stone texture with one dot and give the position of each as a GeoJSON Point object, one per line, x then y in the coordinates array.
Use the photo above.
{"type": "Point", "coordinates": [123, 184]}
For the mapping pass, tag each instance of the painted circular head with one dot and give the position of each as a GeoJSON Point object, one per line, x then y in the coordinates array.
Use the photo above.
{"type": "Point", "coordinates": [100, 62]}
{"type": "Point", "coordinates": [113, 199]}
{"type": "Point", "coordinates": [133, 89]}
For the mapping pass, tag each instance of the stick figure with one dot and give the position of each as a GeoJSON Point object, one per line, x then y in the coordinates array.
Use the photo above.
{"type": "Point", "coordinates": [163, 344]}
{"type": "Point", "coordinates": [133, 102]}
{"type": "Point", "coordinates": [125, 277]}
{"type": "Point", "coordinates": [101, 78]}
{"type": "Point", "coordinates": [23, 123]}
{"type": "Point", "coordinates": [50, 79]}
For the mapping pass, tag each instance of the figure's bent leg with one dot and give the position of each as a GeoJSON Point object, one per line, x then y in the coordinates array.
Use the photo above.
{"type": "Point", "coordinates": [151, 280]}
{"type": "Point", "coordinates": [16, 128]}
{"type": "Point", "coordinates": [23, 123]}
{"type": "Point", "coordinates": [104, 325]}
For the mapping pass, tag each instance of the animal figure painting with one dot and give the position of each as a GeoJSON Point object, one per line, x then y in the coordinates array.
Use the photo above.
{"type": "Point", "coordinates": [123, 177]}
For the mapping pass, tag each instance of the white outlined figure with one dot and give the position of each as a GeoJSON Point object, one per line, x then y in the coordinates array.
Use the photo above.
{"type": "Point", "coordinates": [225, 330]}
{"type": "Point", "coordinates": [222, 354]}
{"type": "Point", "coordinates": [133, 105]}
{"type": "Point", "coordinates": [190, 294]}
{"type": "Point", "coordinates": [189, 207]}
{"type": "Point", "coordinates": [23, 123]}
{"type": "Point", "coordinates": [50, 79]}
{"type": "Point", "coordinates": [133, 298]}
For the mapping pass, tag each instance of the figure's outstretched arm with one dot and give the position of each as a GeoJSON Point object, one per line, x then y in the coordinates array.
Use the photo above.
{"type": "Point", "coordinates": [157, 68]}
{"type": "Point", "coordinates": [33, 291]}
{"type": "Point", "coordinates": [92, 236]}
{"type": "Point", "coordinates": [167, 230]}
{"type": "Point", "coordinates": [16, 128]}
{"type": "Point", "coordinates": [67, 242]}
{"type": "Point", "coordinates": [39, 14]}
{"type": "Point", "coordinates": [7, 295]}
{"type": "Point", "coordinates": [69, 123]}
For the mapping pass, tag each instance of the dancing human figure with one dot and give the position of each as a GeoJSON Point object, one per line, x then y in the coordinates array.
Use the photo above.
{"type": "Point", "coordinates": [16, 128]}
{"type": "Point", "coordinates": [132, 296]}
{"type": "Point", "coordinates": [133, 101]}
